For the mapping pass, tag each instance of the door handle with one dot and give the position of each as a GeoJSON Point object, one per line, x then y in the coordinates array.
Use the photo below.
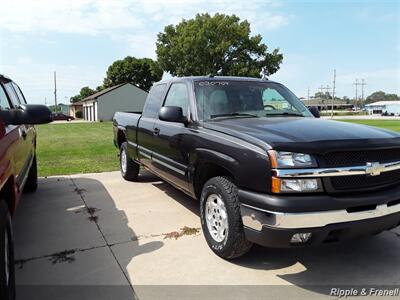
{"type": "Point", "coordinates": [156, 131]}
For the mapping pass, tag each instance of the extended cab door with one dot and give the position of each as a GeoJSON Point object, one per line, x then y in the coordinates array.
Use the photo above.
{"type": "Point", "coordinates": [170, 154]}
{"type": "Point", "coordinates": [146, 138]}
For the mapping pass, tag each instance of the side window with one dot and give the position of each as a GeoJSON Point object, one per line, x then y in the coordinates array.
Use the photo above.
{"type": "Point", "coordinates": [273, 98]}
{"type": "Point", "coordinates": [19, 93]}
{"type": "Point", "coordinates": [4, 104]}
{"type": "Point", "coordinates": [13, 96]}
{"type": "Point", "coordinates": [178, 96]}
{"type": "Point", "coordinates": [153, 101]}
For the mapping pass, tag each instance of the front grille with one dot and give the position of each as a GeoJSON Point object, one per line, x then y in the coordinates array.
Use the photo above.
{"type": "Point", "coordinates": [356, 158]}
{"type": "Point", "coordinates": [345, 183]}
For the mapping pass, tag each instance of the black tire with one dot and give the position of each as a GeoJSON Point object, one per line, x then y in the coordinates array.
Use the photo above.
{"type": "Point", "coordinates": [31, 183]}
{"type": "Point", "coordinates": [7, 287]}
{"type": "Point", "coordinates": [234, 243]}
{"type": "Point", "coordinates": [130, 171]}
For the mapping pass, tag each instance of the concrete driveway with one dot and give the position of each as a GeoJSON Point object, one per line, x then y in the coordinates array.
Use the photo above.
{"type": "Point", "coordinates": [96, 236]}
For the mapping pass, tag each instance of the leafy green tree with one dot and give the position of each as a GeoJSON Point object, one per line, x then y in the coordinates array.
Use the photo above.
{"type": "Point", "coordinates": [142, 72]}
{"type": "Point", "coordinates": [84, 92]}
{"type": "Point", "coordinates": [206, 44]}
{"type": "Point", "coordinates": [381, 96]}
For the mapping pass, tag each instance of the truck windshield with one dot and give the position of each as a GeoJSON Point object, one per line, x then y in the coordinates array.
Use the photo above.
{"type": "Point", "coordinates": [241, 99]}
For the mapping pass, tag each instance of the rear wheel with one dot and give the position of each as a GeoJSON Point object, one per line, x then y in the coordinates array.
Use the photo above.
{"type": "Point", "coordinates": [7, 276]}
{"type": "Point", "coordinates": [221, 218]}
{"type": "Point", "coordinates": [31, 183]}
{"type": "Point", "coordinates": [129, 168]}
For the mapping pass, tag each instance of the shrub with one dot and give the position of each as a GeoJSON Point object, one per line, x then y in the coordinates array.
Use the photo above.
{"type": "Point", "coordinates": [79, 114]}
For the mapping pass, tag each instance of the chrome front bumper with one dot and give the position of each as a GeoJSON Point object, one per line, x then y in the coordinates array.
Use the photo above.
{"type": "Point", "coordinates": [256, 218]}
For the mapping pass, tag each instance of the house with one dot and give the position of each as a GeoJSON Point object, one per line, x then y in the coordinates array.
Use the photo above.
{"type": "Point", "coordinates": [76, 109]}
{"type": "Point", "coordinates": [103, 105]}
{"type": "Point", "coordinates": [61, 108]}
{"type": "Point", "coordinates": [386, 107]}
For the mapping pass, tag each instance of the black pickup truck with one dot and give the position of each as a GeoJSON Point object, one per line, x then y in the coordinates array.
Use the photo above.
{"type": "Point", "coordinates": [265, 168]}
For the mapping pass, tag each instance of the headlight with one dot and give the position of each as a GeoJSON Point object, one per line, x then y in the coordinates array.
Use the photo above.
{"type": "Point", "coordinates": [283, 159]}
{"type": "Point", "coordinates": [285, 185]}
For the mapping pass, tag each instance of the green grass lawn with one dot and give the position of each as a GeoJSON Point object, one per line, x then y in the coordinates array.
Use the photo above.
{"type": "Point", "coordinates": [88, 147]}
{"type": "Point", "coordinates": [387, 124]}
{"type": "Point", "coordinates": [75, 148]}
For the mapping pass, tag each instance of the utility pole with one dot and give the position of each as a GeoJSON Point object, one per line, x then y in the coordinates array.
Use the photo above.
{"type": "Point", "coordinates": [308, 94]}
{"type": "Point", "coordinates": [356, 84]}
{"type": "Point", "coordinates": [55, 91]}
{"type": "Point", "coordinates": [321, 90]}
{"type": "Point", "coordinates": [45, 101]}
{"type": "Point", "coordinates": [362, 90]}
{"type": "Point", "coordinates": [333, 91]}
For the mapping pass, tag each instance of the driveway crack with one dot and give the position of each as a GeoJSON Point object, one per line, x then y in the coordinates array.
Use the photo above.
{"type": "Point", "coordinates": [94, 218]}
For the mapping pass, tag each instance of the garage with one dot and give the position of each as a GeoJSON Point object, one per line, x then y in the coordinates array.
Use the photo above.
{"type": "Point", "coordinates": [102, 105]}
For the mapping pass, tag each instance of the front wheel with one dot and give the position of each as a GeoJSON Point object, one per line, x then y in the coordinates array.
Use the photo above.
{"type": "Point", "coordinates": [129, 168]}
{"type": "Point", "coordinates": [221, 218]}
{"type": "Point", "coordinates": [7, 276]}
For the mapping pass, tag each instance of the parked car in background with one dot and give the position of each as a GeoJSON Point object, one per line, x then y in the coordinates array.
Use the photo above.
{"type": "Point", "coordinates": [265, 168]}
{"type": "Point", "coordinates": [18, 170]}
{"type": "Point", "coordinates": [62, 117]}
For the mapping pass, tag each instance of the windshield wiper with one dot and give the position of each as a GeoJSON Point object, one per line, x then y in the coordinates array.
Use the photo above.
{"type": "Point", "coordinates": [235, 114]}
{"type": "Point", "coordinates": [285, 114]}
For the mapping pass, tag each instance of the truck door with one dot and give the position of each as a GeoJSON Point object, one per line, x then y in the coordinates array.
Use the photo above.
{"type": "Point", "coordinates": [169, 158]}
{"type": "Point", "coordinates": [146, 139]}
{"type": "Point", "coordinates": [24, 146]}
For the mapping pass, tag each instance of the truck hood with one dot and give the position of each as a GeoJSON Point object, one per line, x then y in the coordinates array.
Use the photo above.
{"type": "Point", "coordinates": [305, 134]}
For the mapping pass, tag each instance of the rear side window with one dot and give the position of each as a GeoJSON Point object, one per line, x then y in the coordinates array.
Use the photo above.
{"type": "Point", "coordinates": [12, 94]}
{"type": "Point", "coordinates": [154, 101]}
{"type": "Point", "coordinates": [4, 104]}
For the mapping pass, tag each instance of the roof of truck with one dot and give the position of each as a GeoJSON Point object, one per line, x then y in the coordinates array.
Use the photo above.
{"type": "Point", "coordinates": [211, 77]}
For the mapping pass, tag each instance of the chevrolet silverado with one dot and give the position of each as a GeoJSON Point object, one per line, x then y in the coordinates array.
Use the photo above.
{"type": "Point", "coordinates": [264, 168]}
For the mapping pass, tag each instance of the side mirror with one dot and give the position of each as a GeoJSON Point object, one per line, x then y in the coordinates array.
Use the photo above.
{"type": "Point", "coordinates": [172, 114]}
{"type": "Point", "coordinates": [315, 111]}
{"type": "Point", "coordinates": [27, 114]}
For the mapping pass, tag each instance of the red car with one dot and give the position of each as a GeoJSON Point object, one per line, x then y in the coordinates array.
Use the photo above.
{"type": "Point", "coordinates": [18, 172]}
{"type": "Point", "coordinates": [62, 117]}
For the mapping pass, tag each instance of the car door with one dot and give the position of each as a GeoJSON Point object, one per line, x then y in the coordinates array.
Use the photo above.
{"type": "Point", "coordinates": [24, 145]}
{"type": "Point", "coordinates": [170, 158]}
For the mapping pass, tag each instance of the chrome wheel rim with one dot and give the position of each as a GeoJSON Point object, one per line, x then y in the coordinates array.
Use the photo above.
{"type": "Point", "coordinates": [6, 258]}
{"type": "Point", "coordinates": [123, 161]}
{"type": "Point", "coordinates": [216, 217]}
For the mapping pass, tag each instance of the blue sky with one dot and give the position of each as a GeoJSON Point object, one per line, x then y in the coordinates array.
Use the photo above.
{"type": "Point", "coordinates": [80, 39]}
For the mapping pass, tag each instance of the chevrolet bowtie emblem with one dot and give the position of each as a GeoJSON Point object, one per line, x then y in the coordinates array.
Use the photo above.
{"type": "Point", "coordinates": [374, 168]}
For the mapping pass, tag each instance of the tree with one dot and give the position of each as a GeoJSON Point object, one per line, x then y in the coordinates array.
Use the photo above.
{"type": "Point", "coordinates": [142, 72]}
{"type": "Point", "coordinates": [206, 44]}
{"type": "Point", "coordinates": [84, 92]}
{"type": "Point", "coordinates": [381, 96]}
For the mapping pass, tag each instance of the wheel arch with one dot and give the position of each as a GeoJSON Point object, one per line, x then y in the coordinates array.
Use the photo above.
{"type": "Point", "coordinates": [121, 137]}
{"type": "Point", "coordinates": [208, 164]}
{"type": "Point", "coordinates": [7, 194]}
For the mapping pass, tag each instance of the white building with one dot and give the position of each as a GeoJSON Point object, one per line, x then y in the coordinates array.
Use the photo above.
{"type": "Point", "coordinates": [389, 107]}
{"type": "Point", "coordinates": [103, 105]}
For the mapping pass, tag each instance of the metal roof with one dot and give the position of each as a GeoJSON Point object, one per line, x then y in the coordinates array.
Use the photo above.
{"type": "Point", "coordinates": [107, 90]}
{"type": "Point", "coordinates": [383, 103]}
